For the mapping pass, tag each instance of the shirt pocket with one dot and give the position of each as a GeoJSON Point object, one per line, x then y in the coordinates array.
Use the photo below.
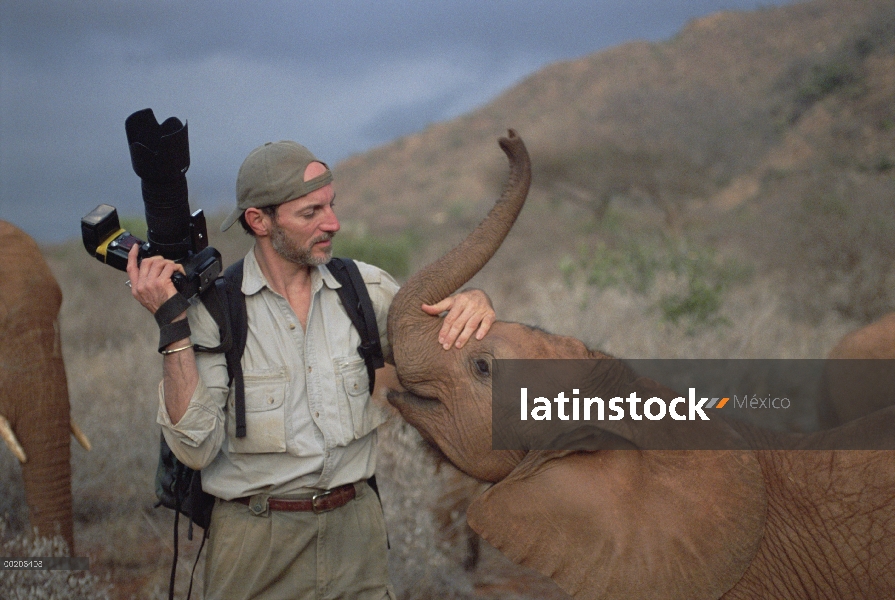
{"type": "Point", "coordinates": [265, 400]}
{"type": "Point", "coordinates": [354, 390]}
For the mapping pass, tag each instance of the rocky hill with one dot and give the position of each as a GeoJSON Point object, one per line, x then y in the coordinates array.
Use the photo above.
{"type": "Point", "coordinates": [768, 134]}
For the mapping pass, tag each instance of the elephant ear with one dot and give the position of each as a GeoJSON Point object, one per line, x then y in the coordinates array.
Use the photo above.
{"type": "Point", "coordinates": [629, 524]}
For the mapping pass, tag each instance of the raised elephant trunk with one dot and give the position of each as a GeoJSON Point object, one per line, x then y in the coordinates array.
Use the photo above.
{"type": "Point", "coordinates": [408, 325]}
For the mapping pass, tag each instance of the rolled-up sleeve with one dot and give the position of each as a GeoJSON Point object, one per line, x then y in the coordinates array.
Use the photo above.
{"type": "Point", "coordinates": [197, 437]}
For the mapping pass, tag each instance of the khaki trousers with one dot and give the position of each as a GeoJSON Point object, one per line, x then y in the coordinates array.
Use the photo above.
{"type": "Point", "coordinates": [278, 555]}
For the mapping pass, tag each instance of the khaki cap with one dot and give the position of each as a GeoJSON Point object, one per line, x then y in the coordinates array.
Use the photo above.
{"type": "Point", "coordinates": [273, 174]}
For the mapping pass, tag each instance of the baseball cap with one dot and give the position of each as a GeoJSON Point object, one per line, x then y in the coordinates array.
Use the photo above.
{"type": "Point", "coordinates": [273, 174]}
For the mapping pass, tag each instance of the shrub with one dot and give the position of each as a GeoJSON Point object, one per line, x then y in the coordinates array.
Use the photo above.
{"type": "Point", "coordinates": [700, 304]}
{"type": "Point", "coordinates": [825, 78]}
{"type": "Point", "coordinates": [699, 277]}
{"type": "Point", "coordinates": [390, 253]}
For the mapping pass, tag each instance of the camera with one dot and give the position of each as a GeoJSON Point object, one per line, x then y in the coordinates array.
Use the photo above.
{"type": "Point", "coordinates": [160, 156]}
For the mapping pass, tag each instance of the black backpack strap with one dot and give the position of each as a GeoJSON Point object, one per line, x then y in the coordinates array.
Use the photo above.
{"type": "Point", "coordinates": [226, 304]}
{"type": "Point", "coordinates": [214, 298]}
{"type": "Point", "coordinates": [357, 303]}
{"type": "Point", "coordinates": [239, 329]}
{"type": "Point", "coordinates": [356, 300]}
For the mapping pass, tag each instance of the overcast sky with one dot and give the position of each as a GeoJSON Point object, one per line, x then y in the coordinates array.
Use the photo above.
{"type": "Point", "coordinates": [340, 77]}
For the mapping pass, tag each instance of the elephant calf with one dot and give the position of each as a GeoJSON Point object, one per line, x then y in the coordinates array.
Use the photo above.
{"type": "Point", "coordinates": [618, 524]}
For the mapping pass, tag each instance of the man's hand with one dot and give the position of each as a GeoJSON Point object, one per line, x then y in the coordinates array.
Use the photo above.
{"type": "Point", "coordinates": [151, 285]}
{"type": "Point", "coordinates": [151, 281]}
{"type": "Point", "coordinates": [469, 312]}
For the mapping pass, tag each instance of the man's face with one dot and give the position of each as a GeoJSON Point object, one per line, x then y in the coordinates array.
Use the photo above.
{"type": "Point", "coordinates": [302, 229]}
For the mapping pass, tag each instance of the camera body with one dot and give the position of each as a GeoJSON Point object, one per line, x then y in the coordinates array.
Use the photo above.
{"type": "Point", "coordinates": [160, 157]}
{"type": "Point", "coordinates": [105, 239]}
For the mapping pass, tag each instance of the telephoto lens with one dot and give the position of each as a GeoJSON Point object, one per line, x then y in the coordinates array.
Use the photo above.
{"type": "Point", "coordinates": [160, 155]}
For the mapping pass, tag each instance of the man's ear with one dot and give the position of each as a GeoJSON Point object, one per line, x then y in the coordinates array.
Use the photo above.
{"type": "Point", "coordinates": [613, 524]}
{"type": "Point", "coordinates": [258, 221]}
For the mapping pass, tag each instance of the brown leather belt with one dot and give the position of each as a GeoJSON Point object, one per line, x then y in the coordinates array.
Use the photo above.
{"type": "Point", "coordinates": [319, 503]}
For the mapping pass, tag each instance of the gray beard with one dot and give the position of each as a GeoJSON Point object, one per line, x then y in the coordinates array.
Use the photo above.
{"type": "Point", "coordinates": [295, 254]}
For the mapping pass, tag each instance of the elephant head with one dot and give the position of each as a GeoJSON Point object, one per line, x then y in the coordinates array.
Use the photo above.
{"type": "Point", "coordinates": [632, 523]}
{"type": "Point", "coordinates": [34, 408]}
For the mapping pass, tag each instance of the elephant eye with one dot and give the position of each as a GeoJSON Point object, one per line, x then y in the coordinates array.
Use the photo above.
{"type": "Point", "coordinates": [482, 367]}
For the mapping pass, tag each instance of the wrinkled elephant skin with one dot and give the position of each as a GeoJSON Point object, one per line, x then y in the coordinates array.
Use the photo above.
{"type": "Point", "coordinates": [33, 387]}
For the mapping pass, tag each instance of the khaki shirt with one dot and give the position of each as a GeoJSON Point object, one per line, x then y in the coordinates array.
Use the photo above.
{"type": "Point", "coordinates": [310, 423]}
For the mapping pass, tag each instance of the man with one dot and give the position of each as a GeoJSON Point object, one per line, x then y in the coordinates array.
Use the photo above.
{"type": "Point", "coordinates": [310, 424]}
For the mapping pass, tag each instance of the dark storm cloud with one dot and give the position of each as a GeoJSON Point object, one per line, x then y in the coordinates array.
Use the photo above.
{"type": "Point", "coordinates": [340, 77]}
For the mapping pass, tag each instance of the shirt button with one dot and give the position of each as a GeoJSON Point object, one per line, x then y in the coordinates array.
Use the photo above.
{"type": "Point", "coordinates": [310, 369]}
{"type": "Point", "coordinates": [316, 414]}
{"type": "Point", "coordinates": [291, 325]}
{"type": "Point", "coordinates": [270, 400]}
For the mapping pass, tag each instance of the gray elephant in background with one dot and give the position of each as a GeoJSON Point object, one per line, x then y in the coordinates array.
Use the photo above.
{"type": "Point", "coordinates": [35, 421]}
{"type": "Point", "coordinates": [631, 523]}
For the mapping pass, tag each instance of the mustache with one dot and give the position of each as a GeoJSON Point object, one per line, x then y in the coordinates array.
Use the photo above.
{"type": "Point", "coordinates": [322, 238]}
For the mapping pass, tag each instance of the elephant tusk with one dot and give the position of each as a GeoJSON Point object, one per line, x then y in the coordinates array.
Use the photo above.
{"type": "Point", "coordinates": [80, 436]}
{"type": "Point", "coordinates": [10, 438]}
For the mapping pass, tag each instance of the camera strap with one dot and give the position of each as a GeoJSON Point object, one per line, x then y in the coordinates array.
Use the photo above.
{"type": "Point", "coordinates": [170, 309]}
{"type": "Point", "coordinates": [170, 330]}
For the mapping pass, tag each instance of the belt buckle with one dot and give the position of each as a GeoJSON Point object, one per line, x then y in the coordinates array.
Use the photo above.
{"type": "Point", "coordinates": [320, 496]}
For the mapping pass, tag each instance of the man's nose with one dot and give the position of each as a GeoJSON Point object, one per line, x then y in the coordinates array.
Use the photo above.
{"type": "Point", "coordinates": [331, 222]}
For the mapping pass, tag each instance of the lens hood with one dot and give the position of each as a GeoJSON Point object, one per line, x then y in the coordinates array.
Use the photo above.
{"type": "Point", "coordinates": [159, 153]}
